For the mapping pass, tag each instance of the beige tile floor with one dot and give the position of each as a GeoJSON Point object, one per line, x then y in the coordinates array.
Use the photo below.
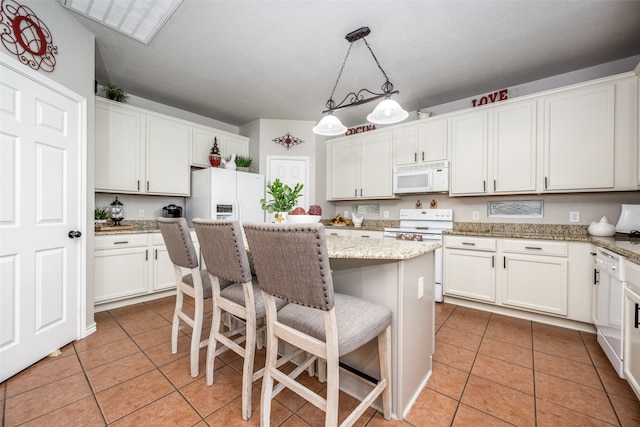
{"type": "Point", "coordinates": [489, 370]}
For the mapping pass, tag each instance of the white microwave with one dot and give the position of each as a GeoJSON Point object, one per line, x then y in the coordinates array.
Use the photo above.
{"type": "Point", "coordinates": [421, 178]}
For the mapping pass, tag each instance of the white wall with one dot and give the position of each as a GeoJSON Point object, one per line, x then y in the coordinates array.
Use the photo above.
{"type": "Point", "coordinates": [75, 70]}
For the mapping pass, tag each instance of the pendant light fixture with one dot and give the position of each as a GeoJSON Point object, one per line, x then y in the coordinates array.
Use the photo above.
{"type": "Point", "coordinates": [386, 112]}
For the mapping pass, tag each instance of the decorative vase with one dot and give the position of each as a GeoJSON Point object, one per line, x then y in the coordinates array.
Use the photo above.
{"type": "Point", "coordinates": [231, 164]}
{"type": "Point", "coordinates": [281, 217]}
{"type": "Point", "coordinates": [215, 160]}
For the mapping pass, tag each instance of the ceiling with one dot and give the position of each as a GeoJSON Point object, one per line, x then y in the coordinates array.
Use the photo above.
{"type": "Point", "coordinates": [237, 61]}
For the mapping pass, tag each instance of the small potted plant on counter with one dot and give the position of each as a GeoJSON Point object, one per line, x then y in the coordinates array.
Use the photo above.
{"type": "Point", "coordinates": [243, 163]}
{"type": "Point", "coordinates": [101, 215]}
{"type": "Point", "coordinates": [284, 198]}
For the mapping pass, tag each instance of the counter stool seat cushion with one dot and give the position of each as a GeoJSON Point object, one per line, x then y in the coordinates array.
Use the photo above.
{"type": "Point", "coordinates": [235, 293]}
{"type": "Point", "coordinates": [206, 283]}
{"type": "Point", "coordinates": [358, 321]}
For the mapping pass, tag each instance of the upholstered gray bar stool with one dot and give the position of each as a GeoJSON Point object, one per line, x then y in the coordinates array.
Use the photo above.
{"type": "Point", "coordinates": [292, 263]}
{"type": "Point", "coordinates": [226, 259]}
{"type": "Point", "coordinates": [195, 284]}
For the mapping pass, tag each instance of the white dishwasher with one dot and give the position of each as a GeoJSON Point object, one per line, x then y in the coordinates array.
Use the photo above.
{"type": "Point", "coordinates": [608, 303]}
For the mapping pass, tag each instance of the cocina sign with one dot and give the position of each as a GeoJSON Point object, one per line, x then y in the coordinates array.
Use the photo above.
{"type": "Point", "coordinates": [360, 129]}
{"type": "Point", "coordinates": [499, 95]}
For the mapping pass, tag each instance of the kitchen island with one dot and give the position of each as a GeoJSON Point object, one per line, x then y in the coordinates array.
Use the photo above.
{"type": "Point", "coordinates": [398, 275]}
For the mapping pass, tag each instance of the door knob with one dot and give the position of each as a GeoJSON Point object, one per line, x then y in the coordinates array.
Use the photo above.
{"type": "Point", "coordinates": [73, 234]}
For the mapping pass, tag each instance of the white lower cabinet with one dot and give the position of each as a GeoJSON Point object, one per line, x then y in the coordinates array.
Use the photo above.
{"type": "Point", "coordinates": [132, 265]}
{"type": "Point", "coordinates": [631, 319]}
{"type": "Point", "coordinates": [121, 267]}
{"type": "Point", "coordinates": [353, 233]}
{"type": "Point", "coordinates": [535, 275]}
{"type": "Point", "coordinates": [469, 267]}
{"type": "Point", "coordinates": [542, 276]}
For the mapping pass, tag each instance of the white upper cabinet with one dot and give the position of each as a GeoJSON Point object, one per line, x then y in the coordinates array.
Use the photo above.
{"type": "Point", "coordinates": [167, 145]}
{"type": "Point", "coordinates": [202, 141]}
{"type": "Point", "coordinates": [579, 139]}
{"type": "Point", "coordinates": [514, 148]}
{"type": "Point", "coordinates": [421, 141]}
{"type": "Point", "coordinates": [360, 167]}
{"type": "Point", "coordinates": [119, 164]}
{"type": "Point", "coordinates": [469, 153]}
{"type": "Point", "coordinates": [141, 153]}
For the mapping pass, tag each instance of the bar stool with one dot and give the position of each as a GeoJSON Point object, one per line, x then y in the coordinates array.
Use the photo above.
{"type": "Point", "coordinates": [292, 263]}
{"type": "Point", "coordinates": [226, 259]}
{"type": "Point", "coordinates": [196, 284]}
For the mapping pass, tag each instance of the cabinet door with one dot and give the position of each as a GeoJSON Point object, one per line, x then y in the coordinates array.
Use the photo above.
{"type": "Point", "coordinates": [579, 139]}
{"type": "Point", "coordinates": [405, 145]}
{"type": "Point", "coordinates": [168, 165]}
{"type": "Point", "coordinates": [121, 273]}
{"type": "Point", "coordinates": [432, 140]}
{"type": "Point", "coordinates": [470, 274]}
{"type": "Point", "coordinates": [342, 168]}
{"type": "Point", "coordinates": [201, 144]}
{"type": "Point", "coordinates": [119, 164]}
{"type": "Point", "coordinates": [535, 282]}
{"type": "Point", "coordinates": [631, 357]}
{"type": "Point", "coordinates": [514, 148]}
{"type": "Point", "coordinates": [234, 144]}
{"type": "Point", "coordinates": [376, 151]}
{"type": "Point", "coordinates": [469, 153]}
{"type": "Point", "coordinates": [164, 276]}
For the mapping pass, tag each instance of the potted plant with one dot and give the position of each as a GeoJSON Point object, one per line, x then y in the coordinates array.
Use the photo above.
{"type": "Point", "coordinates": [101, 215]}
{"type": "Point", "coordinates": [114, 93]}
{"type": "Point", "coordinates": [243, 163]}
{"type": "Point", "coordinates": [284, 198]}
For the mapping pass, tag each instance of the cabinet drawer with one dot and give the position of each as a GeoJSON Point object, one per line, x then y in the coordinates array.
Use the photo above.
{"type": "Point", "coordinates": [121, 241]}
{"type": "Point", "coordinates": [471, 243]}
{"type": "Point", "coordinates": [633, 275]}
{"type": "Point", "coordinates": [535, 247]}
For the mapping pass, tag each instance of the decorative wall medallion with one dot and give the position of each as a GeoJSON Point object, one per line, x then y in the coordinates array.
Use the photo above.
{"type": "Point", "coordinates": [288, 140]}
{"type": "Point", "coordinates": [27, 36]}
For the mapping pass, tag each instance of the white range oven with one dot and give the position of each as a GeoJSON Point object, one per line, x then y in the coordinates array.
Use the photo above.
{"type": "Point", "coordinates": [424, 225]}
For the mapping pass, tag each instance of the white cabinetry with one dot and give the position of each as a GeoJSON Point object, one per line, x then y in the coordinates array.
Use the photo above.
{"type": "Point", "coordinates": [535, 275]}
{"type": "Point", "coordinates": [132, 267]}
{"type": "Point", "coordinates": [121, 266]}
{"type": "Point", "coordinates": [422, 141]}
{"type": "Point", "coordinates": [579, 138]}
{"type": "Point", "coordinates": [360, 167]}
{"type": "Point", "coordinates": [329, 231]}
{"type": "Point", "coordinates": [494, 150]}
{"type": "Point", "coordinates": [542, 276]}
{"type": "Point", "coordinates": [167, 148]}
{"type": "Point", "coordinates": [631, 316]}
{"type": "Point", "coordinates": [202, 141]}
{"type": "Point", "coordinates": [469, 267]}
{"type": "Point", "coordinates": [469, 153]}
{"type": "Point", "coordinates": [138, 152]}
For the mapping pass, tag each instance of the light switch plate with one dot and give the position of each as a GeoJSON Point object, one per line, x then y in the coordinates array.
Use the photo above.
{"type": "Point", "coordinates": [574, 216]}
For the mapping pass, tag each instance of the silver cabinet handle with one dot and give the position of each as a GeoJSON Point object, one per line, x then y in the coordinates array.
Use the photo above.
{"type": "Point", "coordinates": [124, 242]}
{"type": "Point", "coordinates": [468, 243]}
{"type": "Point", "coordinates": [533, 248]}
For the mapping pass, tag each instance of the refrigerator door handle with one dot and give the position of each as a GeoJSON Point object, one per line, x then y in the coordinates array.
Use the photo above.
{"type": "Point", "coordinates": [236, 208]}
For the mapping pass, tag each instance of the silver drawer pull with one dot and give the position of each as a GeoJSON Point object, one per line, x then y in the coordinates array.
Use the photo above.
{"type": "Point", "coordinates": [468, 243]}
{"type": "Point", "coordinates": [533, 248]}
{"type": "Point", "coordinates": [121, 243]}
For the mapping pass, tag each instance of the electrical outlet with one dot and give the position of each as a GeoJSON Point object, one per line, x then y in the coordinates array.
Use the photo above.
{"type": "Point", "coordinates": [420, 287]}
{"type": "Point", "coordinates": [574, 216]}
{"type": "Point", "coordinates": [476, 215]}
{"type": "Point", "coordinates": [386, 214]}
{"type": "Point", "coordinates": [141, 213]}
{"type": "Point", "coordinates": [345, 214]}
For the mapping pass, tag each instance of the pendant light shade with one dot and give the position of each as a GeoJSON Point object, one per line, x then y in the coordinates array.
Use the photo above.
{"type": "Point", "coordinates": [387, 112]}
{"type": "Point", "coordinates": [330, 125]}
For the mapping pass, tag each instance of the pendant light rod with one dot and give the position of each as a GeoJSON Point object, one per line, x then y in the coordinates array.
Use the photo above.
{"type": "Point", "coordinates": [358, 98]}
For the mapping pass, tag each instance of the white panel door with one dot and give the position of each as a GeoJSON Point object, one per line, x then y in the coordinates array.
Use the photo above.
{"type": "Point", "coordinates": [41, 193]}
{"type": "Point", "coordinates": [291, 171]}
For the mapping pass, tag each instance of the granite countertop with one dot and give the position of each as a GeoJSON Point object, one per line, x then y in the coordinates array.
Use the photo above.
{"type": "Point", "coordinates": [382, 249]}
{"type": "Point", "coordinates": [620, 243]}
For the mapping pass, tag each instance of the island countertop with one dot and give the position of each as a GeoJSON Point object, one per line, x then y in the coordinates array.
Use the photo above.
{"type": "Point", "coordinates": [383, 249]}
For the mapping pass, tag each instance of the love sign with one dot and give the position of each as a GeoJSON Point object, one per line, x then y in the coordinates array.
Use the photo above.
{"type": "Point", "coordinates": [500, 95]}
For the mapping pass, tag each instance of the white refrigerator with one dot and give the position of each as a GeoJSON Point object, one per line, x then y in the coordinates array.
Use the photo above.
{"type": "Point", "coordinates": [225, 194]}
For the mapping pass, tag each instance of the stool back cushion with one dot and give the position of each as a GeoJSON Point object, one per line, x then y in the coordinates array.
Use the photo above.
{"type": "Point", "coordinates": [223, 249]}
{"type": "Point", "coordinates": [177, 239]}
{"type": "Point", "coordinates": [292, 262]}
